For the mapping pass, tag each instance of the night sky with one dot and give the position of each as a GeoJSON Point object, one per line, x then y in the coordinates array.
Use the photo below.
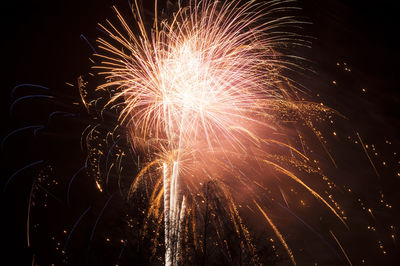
{"type": "Point", "coordinates": [354, 58]}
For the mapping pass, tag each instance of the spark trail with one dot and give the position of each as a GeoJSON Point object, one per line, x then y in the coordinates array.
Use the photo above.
{"type": "Point", "coordinates": [173, 215]}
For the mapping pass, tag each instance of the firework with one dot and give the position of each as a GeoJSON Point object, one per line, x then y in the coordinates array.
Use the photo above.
{"type": "Point", "coordinates": [204, 96]}
{"type": "Point", "coordinates": [203, 147]}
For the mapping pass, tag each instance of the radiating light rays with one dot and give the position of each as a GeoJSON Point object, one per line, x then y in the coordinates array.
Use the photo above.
{"type": "Point", "coordinates": [202, 73]}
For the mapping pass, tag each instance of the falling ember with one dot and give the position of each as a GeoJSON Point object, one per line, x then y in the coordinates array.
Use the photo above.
{"type": "Point", "coordinates": [99, 186]}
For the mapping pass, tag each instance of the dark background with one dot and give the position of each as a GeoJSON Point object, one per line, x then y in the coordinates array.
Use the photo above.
{"type": "Point", "coordinates": [42, 45]}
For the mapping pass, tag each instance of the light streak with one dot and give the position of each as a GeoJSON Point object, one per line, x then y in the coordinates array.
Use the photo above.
{"type": "Point", "coordinates": [366, 153]}
{"type": "Point", "coordinates": [174, 214]}
{"type": "Point", "coordinates": [341, 248]}
{"type": "Point", "coordinates": [279, 235]}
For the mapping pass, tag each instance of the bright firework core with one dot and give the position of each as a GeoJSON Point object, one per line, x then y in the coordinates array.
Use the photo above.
{"type": "Point", "coordinates": [199, 95]}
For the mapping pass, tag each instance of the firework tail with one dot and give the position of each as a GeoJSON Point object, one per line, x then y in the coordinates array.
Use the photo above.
{"type": "Point", "coordinates": [168, 257]}
{"type": "Point", "coordinates": [174, 214]}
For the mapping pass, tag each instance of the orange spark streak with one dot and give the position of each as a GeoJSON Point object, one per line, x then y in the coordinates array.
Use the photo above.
{"type": "Point", "coordinates": [344, 252]}
{"type": "Point", "coordinates": [278, 234]}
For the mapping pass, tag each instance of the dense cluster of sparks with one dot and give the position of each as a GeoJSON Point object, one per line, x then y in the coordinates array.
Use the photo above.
{"type": "Point", "coordinates": [200, 76]}
{"type": "Point", "coordinates": [204, 98]}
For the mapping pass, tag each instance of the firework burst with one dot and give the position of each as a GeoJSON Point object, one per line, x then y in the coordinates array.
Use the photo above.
{"type": "Point", "coordinates": [204, 99]}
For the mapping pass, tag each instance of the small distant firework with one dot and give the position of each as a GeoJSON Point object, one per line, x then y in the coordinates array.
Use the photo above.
{"type": "Point", "coordinates": [203, 98]}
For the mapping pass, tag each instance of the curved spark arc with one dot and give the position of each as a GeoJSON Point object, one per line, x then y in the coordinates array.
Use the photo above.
{"type": "Point", "coordinates": [200, 94]}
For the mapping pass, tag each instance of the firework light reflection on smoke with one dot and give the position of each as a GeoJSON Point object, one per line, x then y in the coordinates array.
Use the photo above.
{"type": "Point", "coordinates": [204, 96]}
